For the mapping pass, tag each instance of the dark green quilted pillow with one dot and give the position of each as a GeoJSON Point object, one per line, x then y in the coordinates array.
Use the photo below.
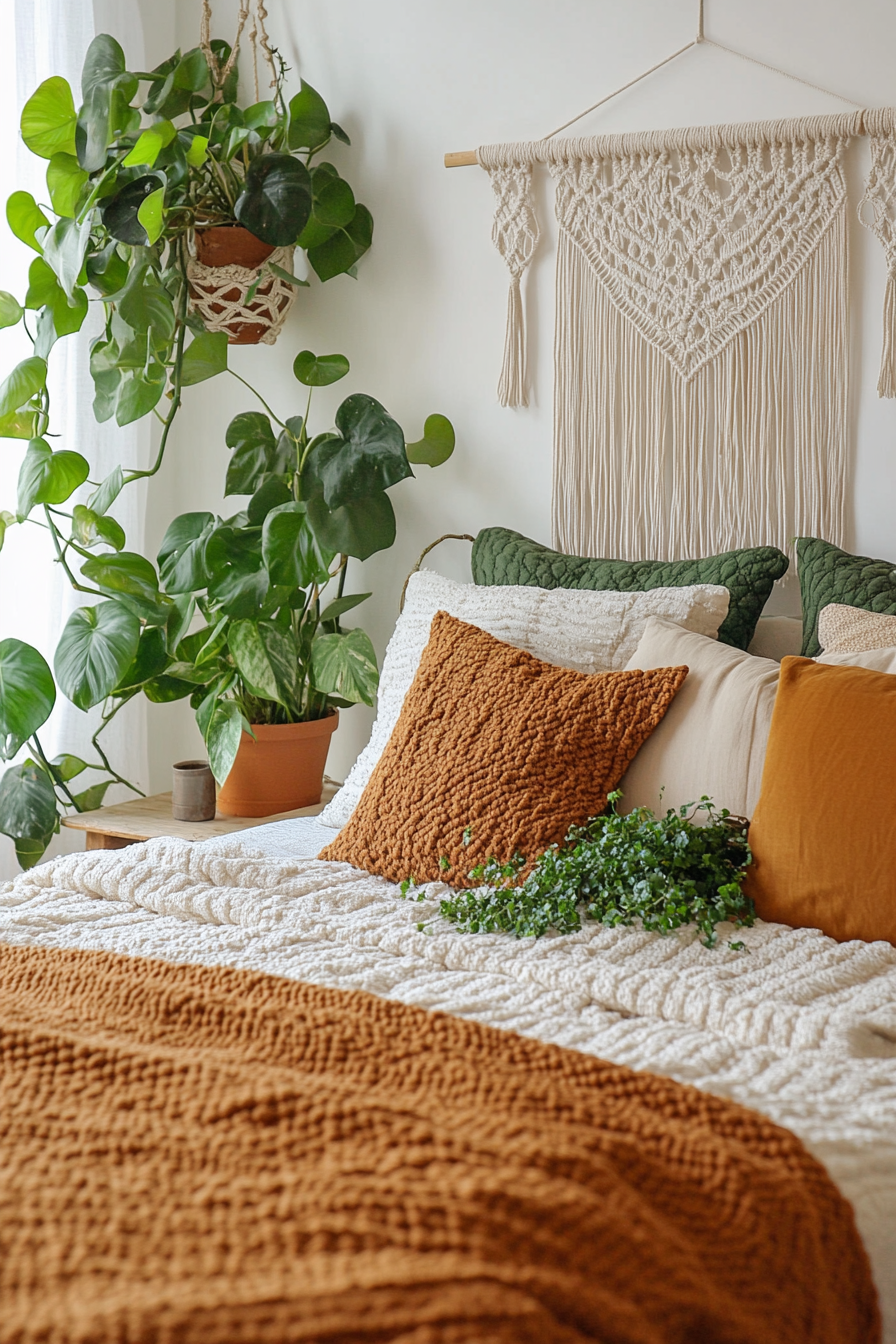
{"type": "Point", "coordinates": [828, 574]}
{"type": "Point", "coordinates": [502, 556]}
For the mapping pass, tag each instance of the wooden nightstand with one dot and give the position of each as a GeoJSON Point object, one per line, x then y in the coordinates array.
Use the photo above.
{"type": "Point", "coordinates": [124, 824]}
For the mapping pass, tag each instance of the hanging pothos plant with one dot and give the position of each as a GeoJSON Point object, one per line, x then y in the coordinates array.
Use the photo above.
{"type": "Point", "coordinates": [146, 161]}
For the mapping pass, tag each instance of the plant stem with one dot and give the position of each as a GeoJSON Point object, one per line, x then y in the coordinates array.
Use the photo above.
{"type": "Point", "coordinates": [60, 556]}
{"type": "Point", "coordinates": [119, 779]}
{"type": "Point", "coordinates": [178, 380]}
{"type": "Point", "coordinates": [234, 374]}
{"type": "Point", "coordinates": [57, 783]}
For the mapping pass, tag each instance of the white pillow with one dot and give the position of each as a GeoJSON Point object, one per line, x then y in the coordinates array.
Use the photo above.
{"type": "Point", "coordinates": [876, 660]}
{"type": "Point", "coordinates": [713, 737]}
{"type": "Point", "coordinates": [584, 630]}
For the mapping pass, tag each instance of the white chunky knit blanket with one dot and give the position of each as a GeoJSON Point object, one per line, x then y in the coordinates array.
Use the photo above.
{"type": "Point", "coordinates": [798, 1027]}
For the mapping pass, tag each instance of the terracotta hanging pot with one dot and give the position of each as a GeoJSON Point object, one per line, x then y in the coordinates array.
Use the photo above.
{"type": "Point", "coordinates": [224, 270]}
{"type": "Point", "coordinates": [280, 770]}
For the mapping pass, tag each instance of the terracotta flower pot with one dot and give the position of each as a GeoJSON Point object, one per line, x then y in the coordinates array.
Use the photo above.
{"type": "Point", "coordinates": [231, 245]}
{"type": "Point", "coordinates": [281, 770]}
{"type": "Point", "coordinates": [220, 300]}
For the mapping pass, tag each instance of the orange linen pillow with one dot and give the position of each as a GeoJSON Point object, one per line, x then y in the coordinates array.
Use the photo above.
{"type": "Point", "coordinates": [492, 738]}
{"type": "Point", "coordinates": [824, 831]}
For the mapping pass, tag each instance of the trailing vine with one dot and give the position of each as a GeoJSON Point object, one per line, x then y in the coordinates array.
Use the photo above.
{"type": "Point", "coordinates": [664, 872]}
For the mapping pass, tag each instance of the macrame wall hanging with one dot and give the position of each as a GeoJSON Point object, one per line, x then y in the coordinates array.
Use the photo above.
{"type": "Point", "coordinates": [701, 341]}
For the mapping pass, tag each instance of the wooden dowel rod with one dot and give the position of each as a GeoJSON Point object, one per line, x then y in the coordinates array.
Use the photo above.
{"type": "Point", "coordinates": [463, 158]}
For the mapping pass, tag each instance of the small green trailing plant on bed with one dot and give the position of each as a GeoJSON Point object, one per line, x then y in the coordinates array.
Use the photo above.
{"type": "Point", "coordinates": [664, 871]}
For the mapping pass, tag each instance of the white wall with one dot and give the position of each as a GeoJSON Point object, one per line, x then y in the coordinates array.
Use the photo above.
{"type": "Point", "coordinates": [423, 325]}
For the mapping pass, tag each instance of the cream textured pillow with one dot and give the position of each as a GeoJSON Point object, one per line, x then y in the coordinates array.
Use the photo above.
{"type": "Point", "coordinates": [714, 735]}
{"type": "Point", "coordinates": [586, 631]}
{"type": "Point", "coordinates": [851, 630]}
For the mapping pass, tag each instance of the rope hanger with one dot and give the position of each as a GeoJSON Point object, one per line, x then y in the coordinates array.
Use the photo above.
{"type": "Point", "coordinates": [468, 157]}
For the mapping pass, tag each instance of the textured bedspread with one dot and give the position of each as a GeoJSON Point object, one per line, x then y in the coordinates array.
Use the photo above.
{"type": "Point", "coordinates": [202, 1154]}
{"type": "Point", "coordinates": [799, 1028]}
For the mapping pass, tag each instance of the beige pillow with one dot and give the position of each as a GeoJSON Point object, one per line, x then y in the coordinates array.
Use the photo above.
{"type": "Point", "coordinates": [875, 660]}
{"type": "Point", "coordinates": [713, 738]}
{"type": "Point", "coordinates": [852, 630]}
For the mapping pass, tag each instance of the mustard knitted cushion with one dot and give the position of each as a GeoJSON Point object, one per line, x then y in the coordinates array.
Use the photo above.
{"type": "Point", "coordinates": [493, 742]}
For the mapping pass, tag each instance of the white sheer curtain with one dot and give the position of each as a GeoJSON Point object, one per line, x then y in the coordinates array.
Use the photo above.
{"type": "Point", "coordinates": [40, 38]}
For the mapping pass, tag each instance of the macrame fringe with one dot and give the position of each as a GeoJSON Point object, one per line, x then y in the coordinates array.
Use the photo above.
{"type": "Point", "coordinates": [886, 383]}
{"type": "Point", "coordinates": [747, 452]}
{"type": "Point", "coordinates": [512, 385]}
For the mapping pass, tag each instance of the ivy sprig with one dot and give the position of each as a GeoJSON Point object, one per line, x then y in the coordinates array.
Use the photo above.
{"type": "Point", "coordinates": [665, 872]}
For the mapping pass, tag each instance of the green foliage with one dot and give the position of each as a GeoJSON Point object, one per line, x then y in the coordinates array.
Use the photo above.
{"type": "Point", "coordinates": [27, 694]}
{"type": "Point", "coordinates": [146, 161]}
{"type": "Point", "coordinates": [662, 871]}
{"type": "Point", "coordinates": [272, 649]}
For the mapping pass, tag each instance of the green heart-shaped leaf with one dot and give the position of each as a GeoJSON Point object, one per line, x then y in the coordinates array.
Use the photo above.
{"type": "Point", "coordinates": [90, 527]}
{"type": "Point", "coordinates": [257, 453]}
{"type": "Point", "coordinates": [95, 649]}
{"type": "Point", "coordinates": [150, 214]}
{"type": "Point", "coordinates": [437, 443]}
{"type": "Point", "coordinates": [267, 658]}
{"type": "Point", "coordinates": [341, 251]}
{"type": "Point", "coordinates": [49, 119]}
{"type": "Point", "coordinates": [65, 178]}
{"type": "Point", "coordinates": [10, 309]}
{"type": "Point", "coordinates": [360, 528]}
{"type": "Point", "coordinates": [225, 731]}
{"type": "Point", "coordinates": [290, 553]}
{"type": "Point", "coordinates": [121, 211]}
{"type": "Point", "coordinates": [27, 694]}
{"type": "Point", "coordinates": [276, 201]}
{"type": "Point", "coordinates": [90, 799]}
{"type": "Point", "coordinates": [309, 119]}
{"type": "Point", "coordinates": [182, 553]}
{"type": "Point", "coordinates": [46, 477]}
{"type": "Point", "coordinates": [107, 491]}
{"type": "Point", "coordinates": [345, 664]}
{"type": "Point", "coordinates": [66, 766]}
{"type": "Point", "coordinates": [28, 810]}
{"type": "Point", "coordinates": [205, 357]}
{"type": "Point", "coordinates": [319, 370]}
{"type": "Point", "coordinates": [25, 218]}
{"type": "Point", "coordinates": [65, 247]}
{"type": "Point", "coordinates": [366, 457]}
{"type": "Point", "coordinates": [25, 381]}
{"type": "Point", "coordinates": [137, 395]}
{"type": "Point", "coordinates": [150, 145]}
{"type": "Point", "coordinates": [150, 660]}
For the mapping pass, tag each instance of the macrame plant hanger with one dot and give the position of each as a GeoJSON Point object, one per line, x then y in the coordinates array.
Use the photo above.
{"type": "Point", "coordinates": [258, 37]}
{"type": "Point", "coordinates": [250, 304]}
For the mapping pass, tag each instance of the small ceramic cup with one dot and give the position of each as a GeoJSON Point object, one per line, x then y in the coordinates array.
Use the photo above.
{"type": "Point", "coordinates": [193, 795]}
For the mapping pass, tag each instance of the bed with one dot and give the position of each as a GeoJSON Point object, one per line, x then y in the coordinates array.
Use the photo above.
{"type": "Point", "coordinates": [799, 1029]}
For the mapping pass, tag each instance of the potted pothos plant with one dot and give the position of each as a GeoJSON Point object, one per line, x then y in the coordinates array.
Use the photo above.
{"type": "Point", "coordinates": [134, 175]}
{"type": "Point", "coordinates": [270, 664]}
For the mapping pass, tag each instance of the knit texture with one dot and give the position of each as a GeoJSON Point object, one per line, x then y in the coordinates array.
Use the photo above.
{"type": "Point", "coordinates": [207, 1155]}
{"type": "Point", "coordinates": [828, 574]}
{"type": "Point", "coordinates": [587, 631]}
{"type": "Point", "coordinates": [850, 630]}
{"type": "Point", "coordinates": [495, 752]}
{"type": "Point", "coordinates": [502, 556]}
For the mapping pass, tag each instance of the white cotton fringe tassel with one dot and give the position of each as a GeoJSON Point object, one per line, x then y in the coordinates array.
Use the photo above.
{"type": "Point", "coordinates": [513, 383]}
{"type": "Point", "coordinates": [749, 451]}
{"type": "Point", "coordinates": [886, 383]}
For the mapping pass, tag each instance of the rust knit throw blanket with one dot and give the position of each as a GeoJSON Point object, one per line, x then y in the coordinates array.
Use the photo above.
{"type": "Point", "coordinates": [201, 1154]}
